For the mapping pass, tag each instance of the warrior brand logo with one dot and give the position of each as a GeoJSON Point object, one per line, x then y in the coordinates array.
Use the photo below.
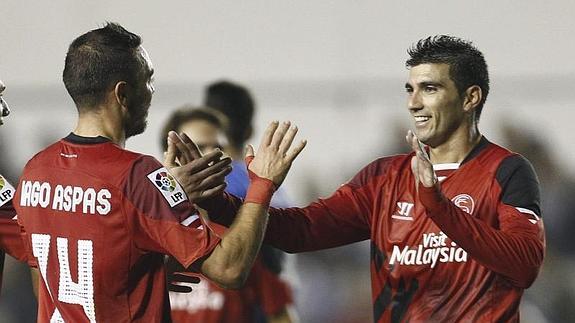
{"type": "Point", "coordinates": [168, 186]}
{"type": "Point", "coordinates": [403, 211]}
{"type": "Point", "coordinates": [464, 202]}
{"type": "Point", "coordinates": [6, 191]}
{"type": "Point", "coordinates": [434, 249]}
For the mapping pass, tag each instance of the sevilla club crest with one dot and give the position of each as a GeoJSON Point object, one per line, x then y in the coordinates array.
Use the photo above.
{"type": "Point", "coordinates": [464, 202]}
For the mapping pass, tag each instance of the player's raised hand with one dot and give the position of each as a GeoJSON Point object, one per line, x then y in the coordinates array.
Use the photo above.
{"type": "Point", "coordinates": [274, 156]}
{"type": "Point", "coordinates": [201, 177]}
{"type": "Point", "coordinates": [420, 164]}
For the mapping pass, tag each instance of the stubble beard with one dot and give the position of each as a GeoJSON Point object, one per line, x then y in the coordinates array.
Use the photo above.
{"type": "Point", "coordinates": [137, 122]}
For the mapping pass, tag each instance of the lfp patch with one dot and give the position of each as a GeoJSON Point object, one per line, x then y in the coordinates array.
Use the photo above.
{"type": "Point", "coordinates": [6, 191]}
{"type": "Point", "coordinates": [168, 186]}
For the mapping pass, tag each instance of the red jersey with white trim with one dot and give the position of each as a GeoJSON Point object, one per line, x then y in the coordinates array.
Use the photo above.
{"type": "Point", "coordinates": [464, 253]}
{"type": "Point", "coordinates": [98, 219]}
{"type": "Point", "coordinates": [264, 292]}
{"type": "Point", "coordinates": [10, 241]}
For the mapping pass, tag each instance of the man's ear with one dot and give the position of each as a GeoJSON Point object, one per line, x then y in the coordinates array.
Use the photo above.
{"type": "Point", "coordinates": [472, 98]}
{"type": "Point", "coordinates": [121, 93]}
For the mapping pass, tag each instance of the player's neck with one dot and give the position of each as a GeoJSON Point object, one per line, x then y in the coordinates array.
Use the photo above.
{"type": "Point", "coordinates": [457, 147]}
{"type": "Point", "coordinates": [94, 124]}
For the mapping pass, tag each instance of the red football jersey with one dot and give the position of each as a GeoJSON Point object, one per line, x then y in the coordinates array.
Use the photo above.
{"type": "Point", "coordinates": [264, 292]}
{"type": "Point", "coordinates": [463, 254]}
{"type": "Point", "coordinates": [98, 219]}
{"type": "Point", "coordinates": [10, 240]}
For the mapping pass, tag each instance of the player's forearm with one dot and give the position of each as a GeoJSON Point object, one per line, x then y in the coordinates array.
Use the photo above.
{"type": "Point", "coordinates": [515, 254]}
{"type": "Point", "coordinates": [335, 221]}
{"type": "Point", "coordinates": [284, 224]}
{"type": "Point", "coordinates": [307, 228]}
{"type": "Point", "coordinates": [231, 261]}
{"type": "Point", "coordinates": [324, 224]}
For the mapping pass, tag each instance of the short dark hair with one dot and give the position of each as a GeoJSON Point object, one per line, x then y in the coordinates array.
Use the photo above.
{"type": "Point", "coordinates": [189, 113]}
{"type": "Point", "coordinates": [99, 59]}
{"type": "Point", "coordinates": [236, 102]}
{"type": "Point", "coordinates": [467, 66]}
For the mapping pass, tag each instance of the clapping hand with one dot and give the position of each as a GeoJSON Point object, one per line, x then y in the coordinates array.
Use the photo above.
{"type": "Point", "coordinates": [420, 163]}
{"type": "Point", "coordinates": [201, 177]}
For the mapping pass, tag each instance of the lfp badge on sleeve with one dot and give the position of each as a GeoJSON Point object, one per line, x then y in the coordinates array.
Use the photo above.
{"type": "Point", "coordinates": [168, 186]}
{"type": "Point", "coordinates": [6, 191]}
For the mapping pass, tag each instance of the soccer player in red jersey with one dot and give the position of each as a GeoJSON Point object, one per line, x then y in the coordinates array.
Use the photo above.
{"type": "Point", "coordinates": [10, 240]}
{"type": "Point", "coordinates": [98, 219]}
{"type": "Point", "coordinates": [455, 226]}
{"type": "Point", "coordinates": [266, 296]}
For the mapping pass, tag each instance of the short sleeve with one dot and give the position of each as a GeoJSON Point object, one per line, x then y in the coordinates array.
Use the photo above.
{"type": "Point", "coordinates": [160, 215]}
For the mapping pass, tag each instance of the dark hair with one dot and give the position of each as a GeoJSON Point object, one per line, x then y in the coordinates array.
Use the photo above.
{"type": "Point", "coordinates": [99, 59]}
{"type": "Point", "coordinates": [189, 113]}
{"type": "Point", "coordinates": [467, 65]}
{"type": "Point", "coordinates": [236, 102]}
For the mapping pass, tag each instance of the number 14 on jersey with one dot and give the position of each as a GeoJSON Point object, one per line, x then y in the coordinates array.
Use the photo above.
{"type": "Point", "coordinates": [80, 293]}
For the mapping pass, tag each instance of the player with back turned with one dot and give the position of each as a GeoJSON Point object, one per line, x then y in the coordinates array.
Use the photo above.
{"type": "Point", "coordinates": [455, 226]}
{"type": "Point", "coordinates": [99, 219]}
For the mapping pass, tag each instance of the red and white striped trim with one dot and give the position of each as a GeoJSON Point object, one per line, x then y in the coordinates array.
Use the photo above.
{"type": "Point", "coordinates": [446, 166]}
{"type": "Point", "coordinates": [444, 169]}
{"type": "Point", "coordinates": [401, 217]}
{"type": "Point", "coordinates": [189, 220]}
{"type": "Point", "coordinates": [527, 211]}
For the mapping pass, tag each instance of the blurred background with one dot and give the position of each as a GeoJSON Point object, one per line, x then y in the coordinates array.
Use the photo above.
{"type": "Point", "coordinates": [336, 69]}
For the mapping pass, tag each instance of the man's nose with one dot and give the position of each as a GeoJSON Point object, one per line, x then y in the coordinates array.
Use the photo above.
{"type": "Point", "coordinates": [414, 102]}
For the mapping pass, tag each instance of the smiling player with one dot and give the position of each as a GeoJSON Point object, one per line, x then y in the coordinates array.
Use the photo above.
{"type": "Point", "coordinates": [455, 227]}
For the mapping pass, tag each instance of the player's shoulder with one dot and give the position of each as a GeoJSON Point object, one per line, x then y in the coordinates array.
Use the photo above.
{"type": "Point", "coordinates": [505, 161]}
{"type": "Point", "coordinates": [144, 163]}
{"type": "Point", "coordinates": [515, 176]}
{"type": "Point", "coordinates": [487, 157]}
{"type": "Point", "coordinates": [519, 184]}
{"type": "Point", "coordinates": [40, 157]}
{"type": "Point", "coordinates": [381, 167]}
{"type": "Point", "coordinates": [517, 168]}
{"type": "Point", "coordinates": [143, 166]}
{"type": "Point", "coordinates": [490, 152]}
